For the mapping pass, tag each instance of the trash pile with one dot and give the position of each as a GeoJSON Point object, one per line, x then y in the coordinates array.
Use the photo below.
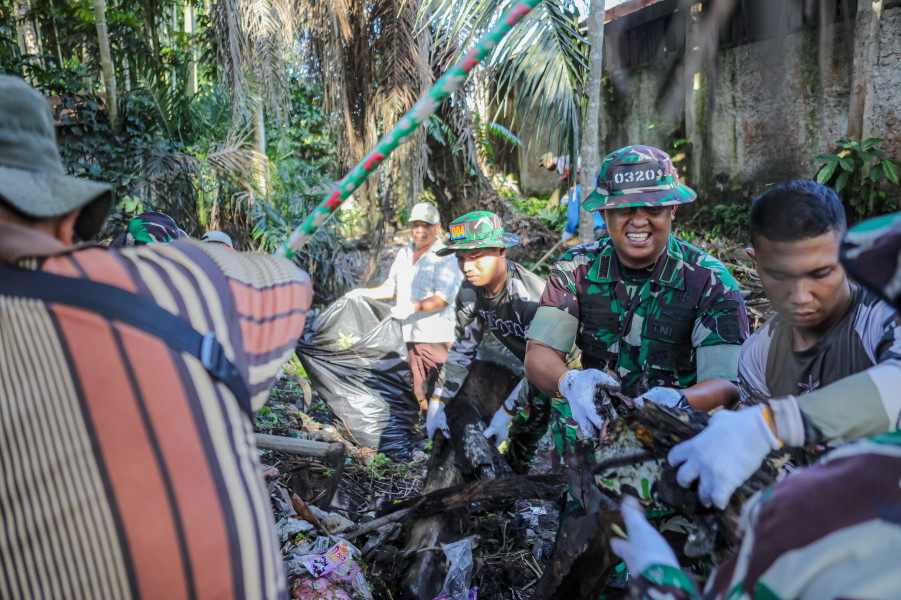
{"type": "Point", "coordinates": [325, 557]}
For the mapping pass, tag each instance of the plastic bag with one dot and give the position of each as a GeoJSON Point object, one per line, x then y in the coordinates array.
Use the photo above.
{"type": "Point", "coordinates": [366, 385]}
{"type": "Point", "coordinates": [456, 583]}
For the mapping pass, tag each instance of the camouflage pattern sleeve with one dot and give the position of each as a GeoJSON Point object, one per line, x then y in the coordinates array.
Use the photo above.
{"type": "Point", "coordinates": [556, 321]}
{"type": "Point", "coordinates": [752, 367]}
{"type": "Point", "coordinates": [663, 582]}
{"type": "Point", "coordinates": [721, 326]}
{"type": "Point", "coordinates": [468, 335]}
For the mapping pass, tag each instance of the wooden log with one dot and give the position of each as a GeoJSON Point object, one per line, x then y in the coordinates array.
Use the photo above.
{"type": "Point", "coordinates": [466, 456]}
{"type": "Point", "coordinates": [288, 445]}
{"type": "Point", "coordinates": [331, 453]}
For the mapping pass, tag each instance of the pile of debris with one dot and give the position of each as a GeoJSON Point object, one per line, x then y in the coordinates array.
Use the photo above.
{"type": "Point", "coordinates": [350, 516]}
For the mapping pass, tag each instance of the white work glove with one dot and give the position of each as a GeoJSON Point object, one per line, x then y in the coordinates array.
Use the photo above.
{"type": "Point", "coordinates": [725, 454]}
{"type": "Point", "coordinates": [579, 389]}
{"type": "Point", "coordinates": [435, 419]}
{"type": "Point", "coordinates": [403, 310]}
{"type": "Point", "coordinates": [497, 429]}
{"type": "Point", "coordinates": [566, 236]}
{"type": "Point", "coordinates": [644, 546]}
{"type": "Point", "coordinates": [664, 396]}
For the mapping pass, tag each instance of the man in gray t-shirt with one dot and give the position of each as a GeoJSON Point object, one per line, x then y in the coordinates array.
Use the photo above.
{"type": "Point", "coordinates": [826, 328]}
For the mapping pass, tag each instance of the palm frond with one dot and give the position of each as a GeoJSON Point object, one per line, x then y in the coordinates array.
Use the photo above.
{"type": "Point", "coordinates": [254, 40]}
{"type": "Point", "coordinates": [541, 64]}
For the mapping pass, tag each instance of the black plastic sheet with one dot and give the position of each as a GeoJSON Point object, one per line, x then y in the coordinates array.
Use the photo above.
{"type": "Point", "coordinates": [367, 386]}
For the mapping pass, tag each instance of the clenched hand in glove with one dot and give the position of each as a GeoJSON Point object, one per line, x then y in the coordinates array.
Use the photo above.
{"type": "Point", "coordinates": [496, 432]}
{"type": "Point", "coordinates": [435, 419]}
{"type": "Point", "coordinates": [579, 389]}
{"type": "Point", "coordinates": [725, 454]}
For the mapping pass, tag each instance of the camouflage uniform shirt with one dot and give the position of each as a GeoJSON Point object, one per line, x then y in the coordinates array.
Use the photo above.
{"type": "Point", "coordinates": [507, 314]}
{"type": "Point", "coordinates": [683, 324]}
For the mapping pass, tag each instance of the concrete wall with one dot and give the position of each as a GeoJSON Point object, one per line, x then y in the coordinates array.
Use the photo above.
{"type": "Point", "coordinates": [883, 115]}
{"type": "Point", "coordinates": [757, 113]}
{"type": "Point", "coordinates": [775, 106]}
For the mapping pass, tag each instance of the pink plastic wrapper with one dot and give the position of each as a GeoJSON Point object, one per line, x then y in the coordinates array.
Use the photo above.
{"type": "Point", "coordinates": [329, 561]}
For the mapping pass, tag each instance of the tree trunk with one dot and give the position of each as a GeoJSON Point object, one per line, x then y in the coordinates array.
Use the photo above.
{"type": "Point", "coordinates": [866, 52]}
{"type": "Point", "coordinates": [59, 50]}
{"type": "Point", "coordinates": [590, 152]}
{"type": "Point", "coordinates": [464, 458]}
{"type": "Point", "coordinates": [150, 26]}
{"type": "Point", "coordinates": [192, 63]}
{"type": "Point", "coordinates": [259, 146]}
{"type": "Point", "coordinates": [28, 37]}
{"type": "Point", "coordinates": [106, 61]}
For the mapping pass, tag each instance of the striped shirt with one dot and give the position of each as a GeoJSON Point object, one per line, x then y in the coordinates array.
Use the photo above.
{"type": "Point", "coordinates": [127, 471]}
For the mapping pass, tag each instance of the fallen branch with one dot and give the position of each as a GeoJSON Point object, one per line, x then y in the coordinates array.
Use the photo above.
{"type": "Point", "coordinates": [376, 524]}
{"type": "Point", "coordinates": [547, 486]}
{"type": "Point", "coordinates": [543, 487]}
{"type": "Point", "coordinates": [280, 443]}
{"type": "Point", "coordinates": [546, 255]}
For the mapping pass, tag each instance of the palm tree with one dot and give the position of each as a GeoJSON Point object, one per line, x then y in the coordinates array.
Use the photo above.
{"type": "Point", "coordinates": [540, 66]}
{"type": "Point", "coordinates": [106, 61]}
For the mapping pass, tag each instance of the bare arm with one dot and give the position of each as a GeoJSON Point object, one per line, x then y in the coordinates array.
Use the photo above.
{"type": "Point", "coordinates": [430, 304]}
{"type": "Point", "coordinates": [712, 393]}
{"type": "Point", "coordinates": [544, 367]}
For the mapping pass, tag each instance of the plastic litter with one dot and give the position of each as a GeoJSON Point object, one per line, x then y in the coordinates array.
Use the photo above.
{"type": "Point", "coordinates": [456, 583]}
{"type": "Point", "coordinates": [331, 560]}
{"type": "Point", "coordinates": [366, 385]}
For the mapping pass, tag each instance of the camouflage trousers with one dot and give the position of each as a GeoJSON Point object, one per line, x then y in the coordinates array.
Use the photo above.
{"type": "Point", "coordinates": [570, 446]}
{"type": "Point", "coordinates": [526, 430]}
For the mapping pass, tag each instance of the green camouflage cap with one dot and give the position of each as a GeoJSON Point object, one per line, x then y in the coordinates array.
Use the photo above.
{"type": "Point", "coordinates": [479, 229]}
{"type": "Point", "coordinates": [637, 176]}
{"type": "Point", "coordinates": [871, 253]}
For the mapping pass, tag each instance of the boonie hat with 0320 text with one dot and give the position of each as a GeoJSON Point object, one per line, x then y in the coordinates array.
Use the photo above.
{"type": "Point", "coordinates": [32, 179]}
{"type": "Point", "coordinates": [478, 229]}
{"type": "Point", "coordinates": [637, 176]}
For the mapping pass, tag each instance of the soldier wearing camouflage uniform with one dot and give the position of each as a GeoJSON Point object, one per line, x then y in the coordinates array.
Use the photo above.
{"type": "Point", "coordinates": [827, 531]}
{"type": "Point", "coordinates": [499, 296]}
{"type": "Point", "coordinates": [642, 305]}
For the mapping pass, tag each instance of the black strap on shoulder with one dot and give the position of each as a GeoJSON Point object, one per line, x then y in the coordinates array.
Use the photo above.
{"type": "Point", "coordinates": [142, 313]}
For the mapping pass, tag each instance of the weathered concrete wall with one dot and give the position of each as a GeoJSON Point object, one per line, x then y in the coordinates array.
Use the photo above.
{"type": "Point", "coordinates": [758, 113]}
{"type": "Point", "coordinates": [776, 106]}
{"type": "Point", "coordinates": [883, 115]}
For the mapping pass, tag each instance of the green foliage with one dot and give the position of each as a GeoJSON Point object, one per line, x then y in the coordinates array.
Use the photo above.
{"type": "Point", "coordinates": [293, 367]}
{"type": "Point", "coordinates": [267, 418]}
{"type": "Point", "coordinates": [488, 136]}
{"type": "Point", "coordinates": [855, 172]}
{"type": "Point", "coordinates": [377, 466]}
{"type": "Point", "coordinates": [550, 214]}
{"type": "Point", "coordinates": [302, 155]}
{"type": "Point", "coordinates": [721, 220]}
